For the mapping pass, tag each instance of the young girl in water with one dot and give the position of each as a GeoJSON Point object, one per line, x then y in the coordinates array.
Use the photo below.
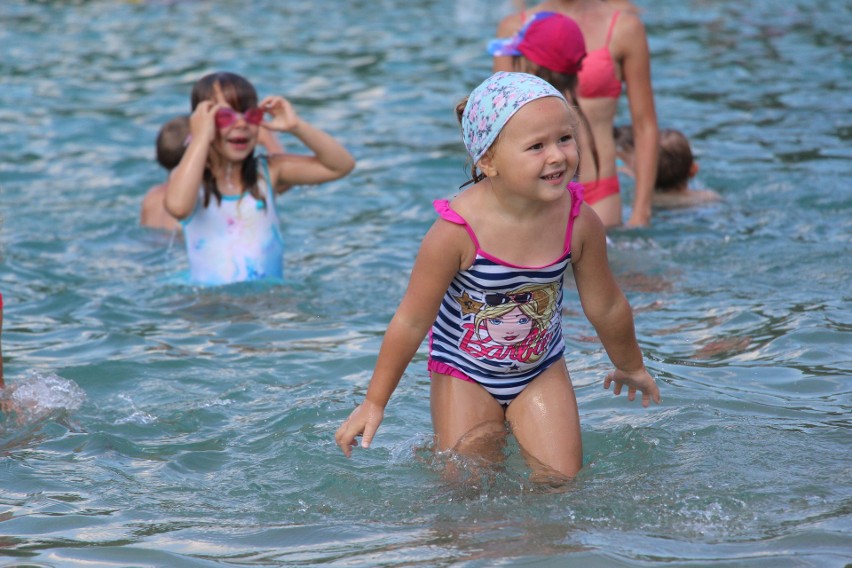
{"type": "Point", "coordinates": [170, 146]}
{"type": "Point", "coordinates": [488, 281]}
{"type": "Point", "coordinates": [225, 196]}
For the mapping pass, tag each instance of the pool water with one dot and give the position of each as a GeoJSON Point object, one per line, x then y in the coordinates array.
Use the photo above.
{"type": "Point", "coordinates": [174, 425]}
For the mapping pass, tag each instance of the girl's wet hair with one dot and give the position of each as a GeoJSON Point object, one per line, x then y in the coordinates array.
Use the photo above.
{"type": "Point", "coordinates": [241, 95]}
{"type": "Point", "coordinates": [236, 90]}
{"type": "Point", "coordinates": [171, 142]}
{"type": "Point", "coordinates": [675, 160]}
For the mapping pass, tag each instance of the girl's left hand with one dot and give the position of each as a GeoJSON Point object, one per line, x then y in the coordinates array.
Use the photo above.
{"type": "Point", "coordinates": [284, 117]}
{"type": "Point", "coordinates": [640, 380]}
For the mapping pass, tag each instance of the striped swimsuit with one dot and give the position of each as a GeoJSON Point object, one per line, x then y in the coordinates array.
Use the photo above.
{"type": "Point", "coordinates": [499, 324]}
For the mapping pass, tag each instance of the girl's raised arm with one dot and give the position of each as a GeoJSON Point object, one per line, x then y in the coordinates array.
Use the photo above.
{"type": "Point", "coordinates": [330, 160]}
{"type": "Point", "coordinates": [185, 179]}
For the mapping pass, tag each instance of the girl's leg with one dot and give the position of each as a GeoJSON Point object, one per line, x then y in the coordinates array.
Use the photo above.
{"type": "Point", "coordinates": [546, 423]}
{"type": "Point", "coordinates": [466, 419]}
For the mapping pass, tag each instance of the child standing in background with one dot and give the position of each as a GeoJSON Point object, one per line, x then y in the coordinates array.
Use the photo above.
{"type": "Point", "coordinates": [551, 46]}
{"type": "Point", "coordinates": [618, 56]}
{"type": "Point", "coordinates": [225, 196]}
{"type": "Point", "coordinates": [494, 304]}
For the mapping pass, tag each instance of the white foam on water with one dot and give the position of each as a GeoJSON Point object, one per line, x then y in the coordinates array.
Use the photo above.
{"type": "Point", "coordinates": [39, 395]}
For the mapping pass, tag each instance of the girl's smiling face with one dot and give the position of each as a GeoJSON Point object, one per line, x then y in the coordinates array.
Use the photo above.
{"type": "Point", "coordinates": [536, 154]}
{"type": "Point", "coordinates": [509, 328]}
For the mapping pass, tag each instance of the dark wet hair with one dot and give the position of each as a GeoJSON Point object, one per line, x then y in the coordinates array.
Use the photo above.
{"type": "Point", "coordinates": [241, 95]}
{"type": "Point", "coordinates": [623, 136]}
{"type": "Point", "coordinates": [171, 142]}
{"type": "Point", "coordinates": [674, 161]}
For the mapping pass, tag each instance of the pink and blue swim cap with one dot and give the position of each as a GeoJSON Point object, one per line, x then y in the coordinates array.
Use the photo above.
{"type": "Point", "coordinates": [491, 105]}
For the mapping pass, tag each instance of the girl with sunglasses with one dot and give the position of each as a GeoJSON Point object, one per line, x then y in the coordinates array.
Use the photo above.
{"type": "Point", "coordinates": [224, 195]}
{"type": "Point", "coordinates": [487, 287]}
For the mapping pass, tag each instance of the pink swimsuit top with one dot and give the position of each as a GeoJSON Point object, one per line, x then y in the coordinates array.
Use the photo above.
{"type": "Point", "coordinates": [597, 77]}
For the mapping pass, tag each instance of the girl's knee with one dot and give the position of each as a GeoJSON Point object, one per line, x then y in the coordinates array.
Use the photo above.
{"type": "Point", "coordinates": [486, 440]}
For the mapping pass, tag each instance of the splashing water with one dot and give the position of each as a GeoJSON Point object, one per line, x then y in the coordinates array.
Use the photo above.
{"type": "Point", "coordinates": [38, 397]}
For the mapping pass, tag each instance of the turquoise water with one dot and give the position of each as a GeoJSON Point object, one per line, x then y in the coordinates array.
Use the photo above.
{"type": "Point", "coordinates": [202, 430]}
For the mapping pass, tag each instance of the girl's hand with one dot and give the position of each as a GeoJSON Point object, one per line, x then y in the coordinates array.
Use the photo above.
{"type": "Point", "coordinates": [284, 118]}
{"type": "Point", "coordinates": [640, 380]}
{"type": "Point", "coordinates": [365, 420]}
{"type": "Point", "coordinates": [202, 123]}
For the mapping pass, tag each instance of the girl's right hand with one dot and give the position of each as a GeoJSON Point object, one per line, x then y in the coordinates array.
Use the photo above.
{"type": "Point", "coordinates": [202, 122]}
{"type": "Point", "coordinates": [364, 420]}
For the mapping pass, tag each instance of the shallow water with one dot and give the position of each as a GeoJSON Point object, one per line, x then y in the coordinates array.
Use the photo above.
{"type": "Point", "coordinates": [205, 436]}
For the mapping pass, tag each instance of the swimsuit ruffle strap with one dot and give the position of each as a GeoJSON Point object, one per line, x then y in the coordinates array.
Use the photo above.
{"type": "Point", "coordinates": [442, 206]}
{"type": "Point", "coordinates": [576, 190]}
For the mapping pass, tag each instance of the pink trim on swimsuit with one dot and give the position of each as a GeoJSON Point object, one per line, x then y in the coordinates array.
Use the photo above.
{"type": "Point", "coordinates": [444, 369]}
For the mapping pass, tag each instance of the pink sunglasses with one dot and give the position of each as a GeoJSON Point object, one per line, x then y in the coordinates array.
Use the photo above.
{"type": "Point", "coordinates": [225, 117]}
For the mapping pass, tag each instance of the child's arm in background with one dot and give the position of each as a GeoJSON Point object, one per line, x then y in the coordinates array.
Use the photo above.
{"type": "Point", "coordinates": [438, 261]}
{"type": "Point", "coordinates": [607, 309]}
{"type": "Point", "coordinates": [636, 67]}
{"type": "Point", "coordinates": [330, 160]}
{"type": "Point", "coordinates": [185, 179]}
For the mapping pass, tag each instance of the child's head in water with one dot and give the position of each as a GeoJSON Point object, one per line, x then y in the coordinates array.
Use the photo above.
{"type": "Point", "coordinates": [549, 39]}
{"type": "Point", "coordinates": [229, 88]}
{"type": "Point", "coordinates": [550, 46]}
{"type": "Point", "coordinates": [240, 96]}
{"type": "Point", "coordinates": [675, 164]}
{"type": "Point", "coordinates": [171, 142]}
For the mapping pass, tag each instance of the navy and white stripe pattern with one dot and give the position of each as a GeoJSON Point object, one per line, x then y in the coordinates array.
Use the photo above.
{"type": "Point", "coordinates": [500, 325]}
